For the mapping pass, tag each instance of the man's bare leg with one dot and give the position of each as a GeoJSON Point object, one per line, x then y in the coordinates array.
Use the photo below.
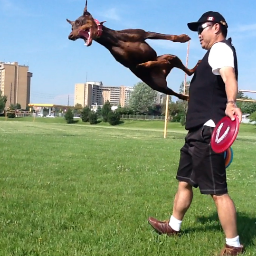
{"type": "Point", "coordinates": [183, 199]}
{"type": "Point", "coordinates": [227, 214]}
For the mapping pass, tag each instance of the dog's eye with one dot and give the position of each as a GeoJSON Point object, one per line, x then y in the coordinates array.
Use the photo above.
{"type": "Point", "coordinates": [77, 22]}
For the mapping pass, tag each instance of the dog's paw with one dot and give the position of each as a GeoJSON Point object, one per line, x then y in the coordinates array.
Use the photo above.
{"type": "Point", "coordinates": [183, 38]}
{"type": "Point", "coordinates": [184, 97]}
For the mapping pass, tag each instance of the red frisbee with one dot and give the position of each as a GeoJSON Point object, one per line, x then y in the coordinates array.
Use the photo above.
{"type": "Point", "coordinates": [224, 134]}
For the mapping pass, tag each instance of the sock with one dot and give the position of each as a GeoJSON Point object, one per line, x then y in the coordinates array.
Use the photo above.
{"type": "Point", "coordinates": [233, 241]}
{"type": "Point", "coordinates": [175, 224]}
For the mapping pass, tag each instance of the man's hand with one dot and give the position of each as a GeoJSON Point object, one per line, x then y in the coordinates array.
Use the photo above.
{"type": "Point", "coordinates": [232, 110]}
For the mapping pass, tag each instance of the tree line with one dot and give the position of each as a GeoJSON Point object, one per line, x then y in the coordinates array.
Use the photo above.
{"type": "Point", "coordinates": [143, 102]}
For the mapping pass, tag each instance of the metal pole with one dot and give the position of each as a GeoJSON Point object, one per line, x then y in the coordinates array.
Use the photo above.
{"type": "Point", "coordinates": [166, 115]}
{"type": "Point", "coordinates": [247, 91]}
{"type": "Point", "coordinates": [185, 79]}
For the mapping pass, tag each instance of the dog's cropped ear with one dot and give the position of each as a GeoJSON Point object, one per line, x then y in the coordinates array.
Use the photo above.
{"type": "Point", "coordinates": [70, 22]}
{"type": "Point", "coordinates": [85, 9]}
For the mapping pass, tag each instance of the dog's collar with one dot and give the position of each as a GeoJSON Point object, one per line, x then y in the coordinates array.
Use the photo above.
{"type": "Point", "coordinates": [100, 25]}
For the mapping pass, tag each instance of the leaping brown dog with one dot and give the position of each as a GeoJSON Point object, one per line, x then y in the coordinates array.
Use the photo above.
{"type": "Point", "coordinates": [130, 49]}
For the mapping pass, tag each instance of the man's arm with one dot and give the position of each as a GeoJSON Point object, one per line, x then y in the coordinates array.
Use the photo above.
{"type": "Point", "coordinates": [229, 78]}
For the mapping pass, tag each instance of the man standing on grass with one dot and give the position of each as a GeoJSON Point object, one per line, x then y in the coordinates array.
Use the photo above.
{"type": "Point", "coordinates": [212, 95]}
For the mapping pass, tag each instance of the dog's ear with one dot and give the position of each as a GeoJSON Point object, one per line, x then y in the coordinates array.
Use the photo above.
{"type": "Point", "coordinates": [70, 22]}
{"type": "Point", "coordinates": [85, 9]}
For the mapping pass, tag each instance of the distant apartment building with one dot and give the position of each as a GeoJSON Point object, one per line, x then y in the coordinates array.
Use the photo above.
{"type": "Point", "coordinates": [160, 98]}
{"type": "Point", "coordinates": [15, 81]}
{"type": "Point", "coordinates": [112, 94]}
{"type": "Point", "coordinates": [94, 93]}
{"type": "Point", "coordinates": [125, 95]}
{"type": "Point", "coordinates": [87, 94]}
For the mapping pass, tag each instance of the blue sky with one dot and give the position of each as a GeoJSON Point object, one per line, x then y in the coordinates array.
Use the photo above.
{"type": "Point", "coordinates": [35, 33]}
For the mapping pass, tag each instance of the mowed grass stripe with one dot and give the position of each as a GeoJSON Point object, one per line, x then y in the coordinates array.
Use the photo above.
{"type": "Point", "coordinates": [81, 190]}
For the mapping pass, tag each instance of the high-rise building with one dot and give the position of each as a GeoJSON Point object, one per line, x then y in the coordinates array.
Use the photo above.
{"type": "Point", "coordinates": [15, 81]}
{"type": "Point", "coordinates": [95, 94]}
{"type": "Point", "coordinates": [125, 95]}
{"type": "Point", "coordinates": [87, 94]}
{"type": "Point", "coordinates": [114, 95]}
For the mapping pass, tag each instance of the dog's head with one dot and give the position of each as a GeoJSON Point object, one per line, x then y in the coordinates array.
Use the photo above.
{"type": "Point", "coordinates": [85, 27]}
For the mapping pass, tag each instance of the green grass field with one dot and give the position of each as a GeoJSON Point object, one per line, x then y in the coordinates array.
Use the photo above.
{"type": "Point", "coordinates": [75, 190]}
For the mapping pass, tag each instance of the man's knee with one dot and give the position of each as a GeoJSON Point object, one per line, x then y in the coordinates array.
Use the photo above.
{"type": "Point", "coordinates": [184, 185]}
{"type": "Point", "coordinates": [220, 198]}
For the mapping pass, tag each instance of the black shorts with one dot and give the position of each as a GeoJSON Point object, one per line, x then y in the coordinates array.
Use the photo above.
{"type": "Point", "coordinates": [200, 166]}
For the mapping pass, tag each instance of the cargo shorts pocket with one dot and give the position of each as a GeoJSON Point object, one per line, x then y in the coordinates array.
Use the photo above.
{"type": "Point", "coordinates": [206, 133]}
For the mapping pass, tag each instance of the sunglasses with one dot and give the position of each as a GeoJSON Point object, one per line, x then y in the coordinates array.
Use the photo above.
{"type": "Point", "coordinates": [201, 28]}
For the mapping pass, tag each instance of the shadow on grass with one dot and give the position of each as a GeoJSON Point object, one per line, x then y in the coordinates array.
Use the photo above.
{"type": "Point", "coordinates": [73, 122]}
{"type": "Point", "coordinates": [120, 122]}
{"type": "Point", "coordinates": [246, 226]}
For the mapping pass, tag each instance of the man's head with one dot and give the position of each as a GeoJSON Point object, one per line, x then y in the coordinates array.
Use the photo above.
{"type": "Point", "coordinates": [211, 28]}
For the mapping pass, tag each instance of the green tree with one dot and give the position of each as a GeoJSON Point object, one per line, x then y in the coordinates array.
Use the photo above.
{"type": "Point", "coordinates": [11, 111]}
{"type": "Point", "coordinates": [78, 106]}
{"type": "Point", "coordinates": [69, 116]}
{"type": "Point", "coordinates": [240, 95]}
{"type": "Point", "coordinates": [93, 117]}
{"type": "Point", "coordinates": [17, 106]}
{"type": "Point", "coordinates": [247, 107]}
{"type": "Point", "coordinates": [113, 117]}
{"type": "Point", "coordinates": [155, 110]}
{"type": "Point", "coordinates": [85, 113]}
{"type": "Point", "coordinates": [253, 117]}
{"type": "Point", "coordinates": [3, 100]}
{"type": "Point", "coordinates": [181, 90]}
{"type": "Point", "coordinates": [124, 110]}
{"type": "Point", "coordinates": [106, 108]}
{"type": "Point", "coordinates": [142, 98]}
{"type": "Point", "coordinates": [77, 109]}
{"type": "Point", "coordinates": [177, 111]}
{"type": "Point", "coordinates": [99, 110]}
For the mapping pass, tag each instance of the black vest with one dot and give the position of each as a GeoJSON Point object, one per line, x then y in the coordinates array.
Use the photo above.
{"type": "Point", "coordinates": [207, 94]}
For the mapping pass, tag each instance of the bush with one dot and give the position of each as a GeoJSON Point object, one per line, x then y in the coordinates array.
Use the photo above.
{"type": "Point", "coordinates": [183, 120]}
{"type": "Point", "coordinates": [11, 113]}
{"type": "Point", "coordinates": [69, 116]}
{"type": "Point", "coordinates": [177, 118]}
{"type": "Point", "coordinates": [93, 117]}
{"type": "Point", "coordinates": [85, 113]}
{"type": "Point", "coordinates": [113, 118]}
{"type": "Point", "coordinates": [253, 117]}
{"type": "Point", "coordinates": [106, 109]}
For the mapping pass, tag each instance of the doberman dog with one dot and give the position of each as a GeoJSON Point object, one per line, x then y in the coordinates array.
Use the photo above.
{"type": "Point", "coordinates": [130, 49]}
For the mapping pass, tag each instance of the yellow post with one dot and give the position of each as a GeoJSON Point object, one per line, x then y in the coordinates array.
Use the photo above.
{"type": "Point", "coordinates": [166, 115]}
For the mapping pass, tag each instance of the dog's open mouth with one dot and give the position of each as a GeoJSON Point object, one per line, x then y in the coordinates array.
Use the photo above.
{"type": "Point", "coordinates": [86, 34]}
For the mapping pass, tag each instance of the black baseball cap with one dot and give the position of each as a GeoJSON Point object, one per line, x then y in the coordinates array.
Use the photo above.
{"type": "Point", "coordinates": [208, 16]}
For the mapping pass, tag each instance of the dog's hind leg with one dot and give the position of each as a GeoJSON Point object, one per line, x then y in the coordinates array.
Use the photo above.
{"type": "Point", "coordinates": [156, 80]}
{"type": "Point", "coordinates": [154, 63]}
{"type": "Point", "coordinates": [167, 62]}
{"type": "Point", "coordinates": [175, 62]}
{"type": "Point", "coordinates": [175, 38]}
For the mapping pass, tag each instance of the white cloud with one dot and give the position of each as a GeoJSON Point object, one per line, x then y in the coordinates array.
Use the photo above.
{"type": "Point", "coordinates": [64, 99]}
{"type": "Point", "coordinates": [245, 28]}
{"type": "Point", "coordinates": [111, 14]}
{"type": "Point", "coordinates": [8, 5]}
{"type": "Point", "coordinates": [11, 8]}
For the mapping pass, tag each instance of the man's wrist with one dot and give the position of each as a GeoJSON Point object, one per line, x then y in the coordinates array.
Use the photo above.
{"type": "Point", "coordinates": [231, 102]}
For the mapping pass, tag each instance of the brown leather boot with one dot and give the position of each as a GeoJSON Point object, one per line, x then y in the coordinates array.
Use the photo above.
{"type": "Point", "coordinates": [231, 250]}
{"type": "Point", "coordinates": [162, 227]}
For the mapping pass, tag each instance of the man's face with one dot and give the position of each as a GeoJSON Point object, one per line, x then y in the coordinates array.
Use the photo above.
{"type": "Point", "coordinates": [206, 34]}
